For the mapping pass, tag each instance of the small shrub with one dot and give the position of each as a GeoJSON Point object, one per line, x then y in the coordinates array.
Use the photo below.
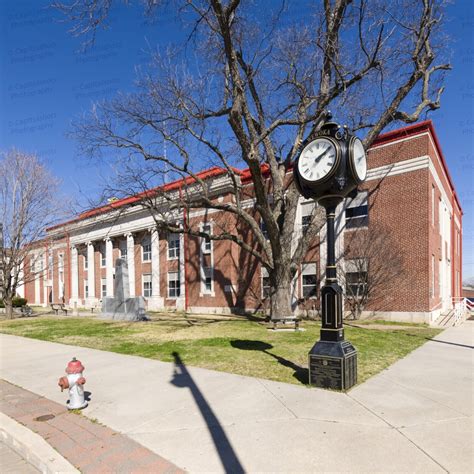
{"type": "Point", "coordinates": [2, 304]}
{"type": "Point", "coordinates": [18, 302]}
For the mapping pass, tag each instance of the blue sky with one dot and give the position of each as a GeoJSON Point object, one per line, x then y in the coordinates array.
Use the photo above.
{"type": "Point", "coordinates": [46, 82]}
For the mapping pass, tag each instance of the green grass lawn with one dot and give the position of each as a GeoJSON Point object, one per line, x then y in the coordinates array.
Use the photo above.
{"type": "Point", "coordinates": [234, 345]}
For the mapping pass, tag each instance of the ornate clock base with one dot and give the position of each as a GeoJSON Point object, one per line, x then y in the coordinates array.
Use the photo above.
{"type": "Point", "coordinates": [333, 365]}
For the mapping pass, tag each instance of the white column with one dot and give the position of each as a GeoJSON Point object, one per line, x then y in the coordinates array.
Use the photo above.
{"type": "Point", "coordinates": [20, 289]}
{"type": "Point", "coordinates": [155, 263]}
{"type": "Point", "coordinates": [155, 302]}
{"type": "Point", "coordinates": [109, 266]}
{"type": "Point", "coordinates": [91, 270]}
{"type": "Point", "coordinates": [181, 301]}
{"type": "Point", "coordinates": [131, 263]}
{"type": "Point", "coordinates": [74, 277]}
{"type": "Point", "coordinates": [45, 279]}
{"type": "Point", "coordinates": [60, 273]}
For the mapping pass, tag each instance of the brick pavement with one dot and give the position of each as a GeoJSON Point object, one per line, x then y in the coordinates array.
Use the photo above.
{"type": "Point", "coordinates": [89, 446]}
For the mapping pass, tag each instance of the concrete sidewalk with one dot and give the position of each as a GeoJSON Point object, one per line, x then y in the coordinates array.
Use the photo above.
{"type": "Point", "coordinates": [415, 416]}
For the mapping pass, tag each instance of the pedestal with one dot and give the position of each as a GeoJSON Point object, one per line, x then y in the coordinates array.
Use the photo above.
{"type": "Point", "coordinates": [332, 360]}
{"type": "Point", "coordinates": [333, 365]}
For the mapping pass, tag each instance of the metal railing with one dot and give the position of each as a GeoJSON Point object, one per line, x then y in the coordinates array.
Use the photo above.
{"type": "Point", "coordinates": [462, 308]}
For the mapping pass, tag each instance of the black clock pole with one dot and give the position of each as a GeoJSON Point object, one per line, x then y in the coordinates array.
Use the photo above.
{"type": "Point", "coordinates": [331, 293]}
{"type": "Point", "coordinates": [332, 360]}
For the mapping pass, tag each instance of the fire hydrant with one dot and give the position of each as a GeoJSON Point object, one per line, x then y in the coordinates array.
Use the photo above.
{"type": "Point", "coordinates": [74, 381]}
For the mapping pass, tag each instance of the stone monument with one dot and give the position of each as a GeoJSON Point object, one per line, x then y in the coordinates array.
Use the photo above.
{"type": "Point", "coordinates": [121, 307]}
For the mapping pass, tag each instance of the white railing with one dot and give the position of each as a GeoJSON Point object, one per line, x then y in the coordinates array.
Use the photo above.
{"type": "Point", "coordinates": [462, 307]}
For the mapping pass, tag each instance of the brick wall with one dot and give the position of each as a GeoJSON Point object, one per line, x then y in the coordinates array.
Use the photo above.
{"type": "Point", "coordinates": [400, 204]}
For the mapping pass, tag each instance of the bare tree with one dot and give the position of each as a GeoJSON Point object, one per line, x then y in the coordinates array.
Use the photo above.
{"type": "Point", "coordinates": [372, 266]}
{"type": "Point", "coordinates": [28, 204]}
{"type": "Point", "coordinates": [252, 93]}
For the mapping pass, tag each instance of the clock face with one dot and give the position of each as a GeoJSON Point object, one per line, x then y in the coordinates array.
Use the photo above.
{"type": "Point", "coordinates": [358, 159]}
{"type": "Point", "coordinates": [317, 160]}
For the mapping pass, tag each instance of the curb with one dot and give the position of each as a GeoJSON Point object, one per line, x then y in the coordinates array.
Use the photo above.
{"type": "Point", "coordinates": [32, 447]}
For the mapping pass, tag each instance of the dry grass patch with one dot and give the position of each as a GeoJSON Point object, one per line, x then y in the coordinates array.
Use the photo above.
{"type": "Point", "coordinates": [231, 344]}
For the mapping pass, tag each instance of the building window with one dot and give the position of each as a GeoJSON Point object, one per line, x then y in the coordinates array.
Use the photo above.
{"type": "Point", "coordinates": [433, 289]}
{"type": "Point", "coordinates": [309, 280]}
{"type": "Point", "coordinates": [440, 276]}
{"type": "Point", "coordinates": [207, 280]}
{"type": "Point", "coordinates": [206, 241]}
{"type": "Point", "coordinates": [173, 285]}
{"type": "Point", "coordinates": [440, 216]}
{"type": "Point", "coordinates": [306, 211]}
{"type": "Point", "coordinates": [173, 246]}
{"type": "Point", "coordinates": [147, 289]}
{"type": "Point", "coordinates": [356, 283]}
{"type": "Point", "coordinates": [146, 250]}
{"type": "Point", "coordinates": [103, 287]}
{"type": "Point", "coordinates": [357, 212]}
{"type": "Point", "coordinates": [432, 205]}
{"type": "Point", "coordinates": [103, 259]}
{"type": "Point", "coordinates": [50, 264]}
{"type": "Point", "coordinates": [266, 286]}
{"type": "Point", "coordinates": [61, 269]}
{"type": "Point", "coordinates": [123, 250]}
{"type": "Point", "coordinates": [86, 263]}
{"type": "Point", "coordinates": [86, 289]}
{"type": "Point", "coordinates": [356, 277]}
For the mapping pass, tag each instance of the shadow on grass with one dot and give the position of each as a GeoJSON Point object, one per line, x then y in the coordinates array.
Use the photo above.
{"type": "Point", "coordinates": [182, 378]}
{"type": "Point", "coordinates": [300, 373]}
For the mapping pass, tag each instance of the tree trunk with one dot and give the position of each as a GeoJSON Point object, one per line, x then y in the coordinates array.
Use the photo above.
{"type": "Point", "coordinates": [280, 304]}
{"type": "Point", "coordinates": [8, 300]}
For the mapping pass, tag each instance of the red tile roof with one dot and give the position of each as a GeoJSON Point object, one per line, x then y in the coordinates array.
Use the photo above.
{"type": "Point", "coordinates": [209, 173]}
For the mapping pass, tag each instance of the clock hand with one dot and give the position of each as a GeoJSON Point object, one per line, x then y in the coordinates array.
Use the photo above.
{"type": "Point", "coordinates": [322, 154]}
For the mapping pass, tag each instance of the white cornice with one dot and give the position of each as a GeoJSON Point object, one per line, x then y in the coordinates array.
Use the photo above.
{"type": "Point", "coordinates": [401, 167]}
{"type": "Point", "coordinates": [407, 166]}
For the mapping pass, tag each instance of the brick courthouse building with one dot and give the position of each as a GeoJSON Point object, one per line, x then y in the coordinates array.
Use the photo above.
{"type": "Point", "coordinates": [408, 192]}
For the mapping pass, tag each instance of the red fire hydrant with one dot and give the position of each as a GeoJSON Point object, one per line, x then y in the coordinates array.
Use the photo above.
{"type": "Point", "coordinates": [74, 381]}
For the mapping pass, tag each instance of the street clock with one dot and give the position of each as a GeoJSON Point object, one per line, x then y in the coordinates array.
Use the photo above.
{"type": "Point", "coordinates": [329, 169]}
{"type": "Point", "coordinates": [331, 165]}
